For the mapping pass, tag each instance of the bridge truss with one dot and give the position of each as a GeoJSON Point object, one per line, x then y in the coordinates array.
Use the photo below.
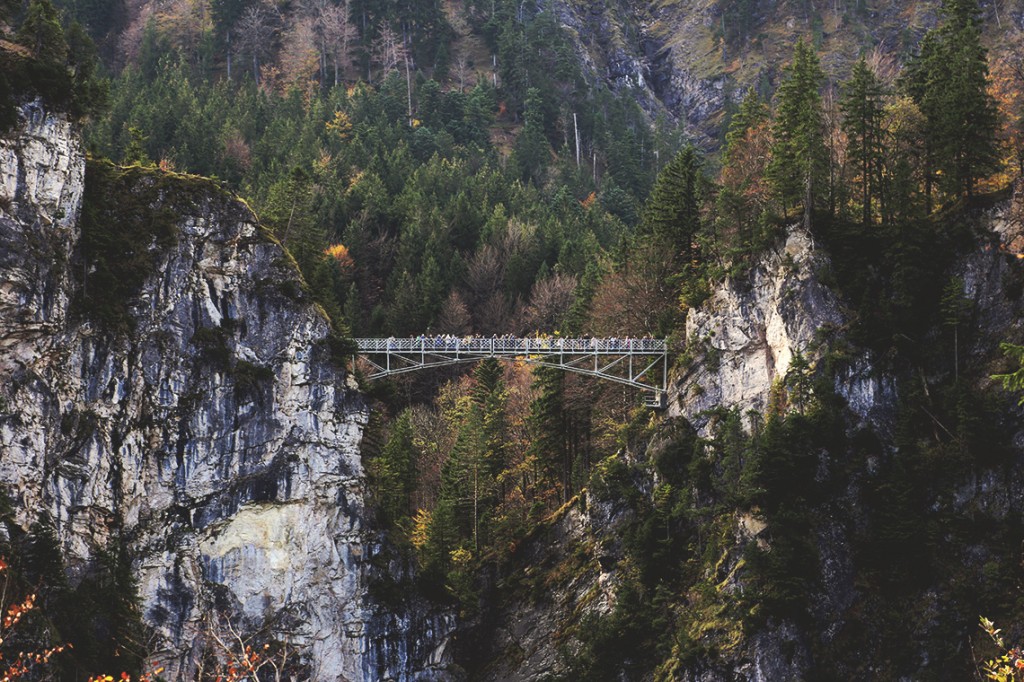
{"type": "Point", "coordinates": [640, 363]}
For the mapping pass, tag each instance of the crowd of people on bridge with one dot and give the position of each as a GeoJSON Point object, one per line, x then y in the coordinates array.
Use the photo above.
{"type": "Point", "coordinates": [512, 342]}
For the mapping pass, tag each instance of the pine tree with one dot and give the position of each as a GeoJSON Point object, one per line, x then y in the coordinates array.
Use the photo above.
{"type": "Point", "coordinates": [862, 122]}
{"type": "Point", "coordinates": [742, 178]}
{"type": "Point", "coordinates": [549, 427]}
{"type": "Point", "coordinates": [798, 153]}
{"type": "Point", "coordinates": [490, 397]}
{"type": "Point", "coordinates": [949, 82]}
{"type": "Point", "coordinates": [1013, 381]}
{"type": "Point", "coordinates": [532, 152]}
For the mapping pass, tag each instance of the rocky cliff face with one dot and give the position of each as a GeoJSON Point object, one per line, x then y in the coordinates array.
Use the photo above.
{"type": "Point", "coordinates": [213, 430]}
{"type": "Point", "coordinates": [745, 337]}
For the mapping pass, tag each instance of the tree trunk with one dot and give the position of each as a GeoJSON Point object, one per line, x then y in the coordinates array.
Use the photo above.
{"type": "Point", "coordinates": [408, 86]}
{"type": "Point", "coordinates": [808, 200]}
{"type": "Point", "coordinates": [576, 127]}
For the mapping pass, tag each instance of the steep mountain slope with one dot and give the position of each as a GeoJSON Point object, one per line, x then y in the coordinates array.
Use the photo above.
{"type": "Point", "coordinates": [844, 527]}
{"type": "Point", "coordinates": [694, 59]}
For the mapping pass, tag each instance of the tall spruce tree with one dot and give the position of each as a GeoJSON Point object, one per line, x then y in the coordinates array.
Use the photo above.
{"type": "Point", "coordinates": [394, 470]}
{"type": "Point", "coordinates": [862, 122]}
{"type": "Point", "coordinates": [672, 216]}
{"type": "Point", "coordinates": [799, 155]}
{"type": "Point", "coordinates": [949, 82]}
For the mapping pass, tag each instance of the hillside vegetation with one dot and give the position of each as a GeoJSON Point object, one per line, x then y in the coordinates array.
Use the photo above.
{"type": "Point", "coordinates": [474, 168]}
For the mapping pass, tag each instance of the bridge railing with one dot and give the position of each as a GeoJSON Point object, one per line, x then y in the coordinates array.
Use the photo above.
{"type": "Point", "coordinates": [504, 345]}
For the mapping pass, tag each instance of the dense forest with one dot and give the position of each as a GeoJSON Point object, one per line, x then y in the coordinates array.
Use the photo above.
{"type": "Point", "coordinates": [453, 168]}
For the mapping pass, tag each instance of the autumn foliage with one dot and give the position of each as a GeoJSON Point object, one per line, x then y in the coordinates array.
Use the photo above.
{"type": "Point", "coordinates": [18, 663]}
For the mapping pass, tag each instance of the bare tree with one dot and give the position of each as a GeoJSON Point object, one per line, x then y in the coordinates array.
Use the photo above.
{"type": "Point", "coordinates": [300, 55]}
{"type": "Point", "coordinates": [461, 67]}
{"type": "Point", "coordinates": [243, 656]}
{"type": "Point", "coordinates": [884, 64]}
{"type": "Point", "coordinates": [454, 317]}
{"type": "Point", "coordinates": [311, 14]}
{"type": "Point", "coordinates": [486, 272]}
{"type": "Point", "coordinates": [495, 315]}
{"type": "Point", "coordinates": [255, 31]}
{"type": "Point", "coordinates": [388, 49]}
{"type": "Point", "coordinates": [339, 34]}
{"type": "Point", "coordinates": [138, 15]}
{"type": "Point", "coordinates": [550, 300]}
{"type": "Point", "coordinates": [633, 299]}
{"type": "Point", "coordinates": [184, 22]}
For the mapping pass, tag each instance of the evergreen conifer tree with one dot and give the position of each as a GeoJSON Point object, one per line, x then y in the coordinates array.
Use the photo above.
{"type": "Point", "coordinates": [862, 122]}
{"type": "Point", "coordinates": [742, 172]}
{"type": "Point", "coordinates": [42, 33]}
{"type": "Point", "coordinates": [949, 82]}
{"type": "Point", "coordinates": [532, 152]}
{"type": "Point", "coordinates": [395, 469]}
{"type": "Point", "coordinates": [549, 430]}
{"type": "Point", "coordinates": [672, 216]}
{"type": "Point", "coordinates": [798, 153]}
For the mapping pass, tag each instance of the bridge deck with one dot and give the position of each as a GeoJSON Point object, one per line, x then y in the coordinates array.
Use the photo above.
{"type": "Point", "coordinates": [631, 361]}
{"type": "Point", "coordinates": [512, 346]}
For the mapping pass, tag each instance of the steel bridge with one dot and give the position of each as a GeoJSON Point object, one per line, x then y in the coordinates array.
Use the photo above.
{"type": "Point", "coordinates": [638, 362]}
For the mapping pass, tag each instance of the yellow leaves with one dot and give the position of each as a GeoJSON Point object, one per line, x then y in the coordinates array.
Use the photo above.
{"type": "Point", "coordinates": [342, 258]}
{"type": "Point", "coordinates": [340, 126]}
{"type": "Point", "coordinates": [589, 201]}
{"type": "Point", "coordinates": [125, 677]}
{"type": "Point", "coordinates": [461, 557]}
{"type": "Point", "coordinates": [1008, 667]}
{"type": "Point", "coordinates": [338, 252]}
{"type": "Point", "coordinates": [420, 533]}
{"type": "Point", "coordinates": [323, 162]}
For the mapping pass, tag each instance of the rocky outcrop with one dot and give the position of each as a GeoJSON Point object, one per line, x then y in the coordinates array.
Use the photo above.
{"type": "Point", "coordinates": [215, 431]}
{"type": "Point", "coordinates": [746, 335]}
